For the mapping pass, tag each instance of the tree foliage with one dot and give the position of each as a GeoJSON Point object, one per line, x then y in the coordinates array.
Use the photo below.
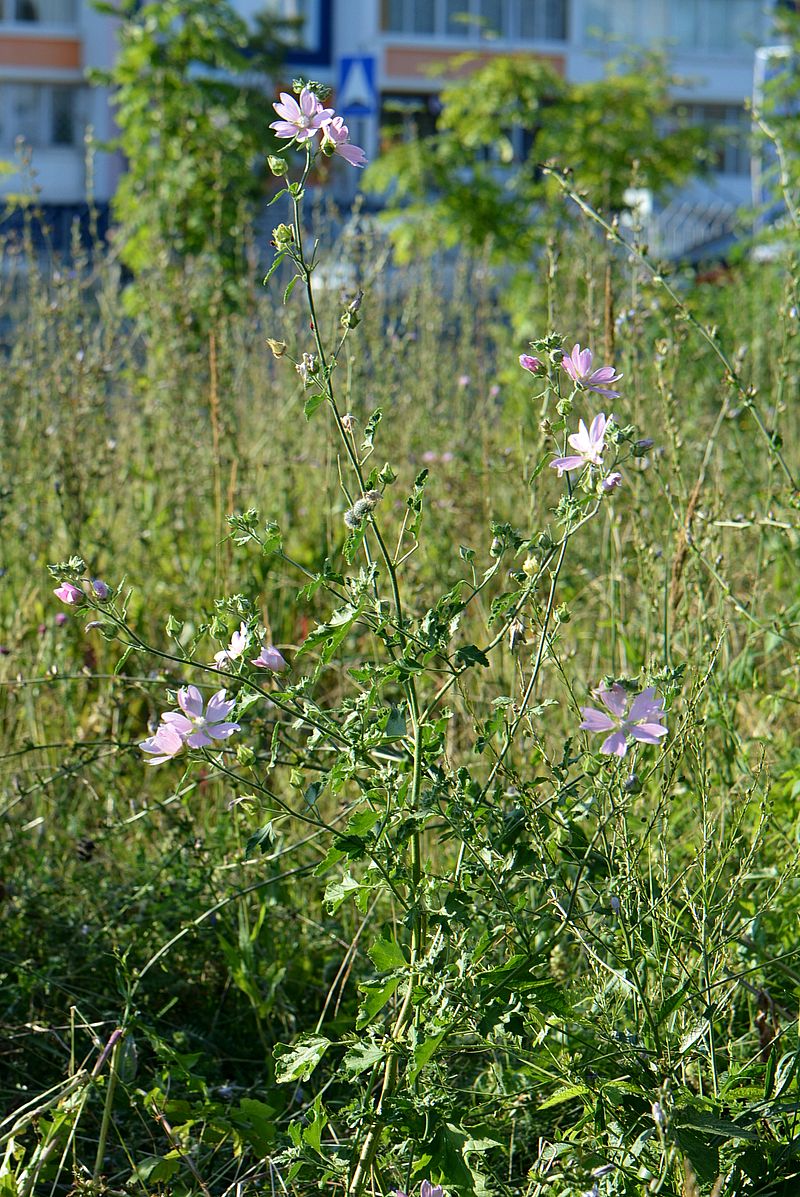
{"type": "Point", "coordinates": [193, 116]}
{"type": "Point", "coordinates": [479, 178]}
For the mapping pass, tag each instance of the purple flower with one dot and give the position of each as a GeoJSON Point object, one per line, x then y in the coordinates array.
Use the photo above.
{"type": "Point", "coordinates": [531, 364]}
{"type": "Point", "coordinates": [301, 120]}
{"type": "Point", "coordinates": [270, 658]}
{"type": "Point", "coordinates": [464, 380]}
{"type": "Point", "coordinates": [612, 481]}
{"type": "Point", "coordinates": [199, 727]}
{"type": "Point", "coordinates": [69, 594]}
{"type": "Point", "coordinates": [237, 646]}
{"type": "Point", "coordinates": [100, 588]}
{"type": "Point", "coordinates": [336, 140]}
{"type": "Point", "coordinates": [643, 719]}
{"type": "Point", "coordinates": [164, 744]}
{"type": "Point", "coordinates": [426, 1189]}
{"type": "Point", "coordinates": [578, 365]}
{"type": "Point", "coordinates": [589, 445]}
{"type": "Point", "coordinates": [60, 619]}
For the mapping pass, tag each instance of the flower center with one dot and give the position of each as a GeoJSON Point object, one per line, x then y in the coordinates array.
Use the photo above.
{"type": "Point", "coordinates": [304, 121]}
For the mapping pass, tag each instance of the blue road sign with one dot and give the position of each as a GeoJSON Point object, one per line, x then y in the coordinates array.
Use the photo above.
{"type": "Point", "coordinates": [357, 94]}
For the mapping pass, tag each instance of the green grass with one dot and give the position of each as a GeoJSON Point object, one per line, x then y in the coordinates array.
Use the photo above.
{"type": "Point", "coordinates": [651, 931]}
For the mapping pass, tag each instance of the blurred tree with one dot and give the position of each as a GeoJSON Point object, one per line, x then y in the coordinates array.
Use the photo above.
{"type": "Point", "coordinates": [778, 117]}
{"type": "Point", "coordinates": [478, 179]}
{"type": "Point", "coordinates": [193, 116]}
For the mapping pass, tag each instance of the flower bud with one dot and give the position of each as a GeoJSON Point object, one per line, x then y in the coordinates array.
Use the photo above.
{"type": "Point", "coordinates": [283, 236]}
{"type": "Point", "coordinates": [641, 447]}
{"type": "Point", "coordinates": [530, 566]}
{"type": "Point", "coordinates": [278, 166]}
{"type": "Point", "coordinates": [102, 591]}
{"type": "Point", "coordinates": [496, 547]}
{"type": "Point", "coordinates": [278, 347]}
{"type": "Point", "coordinates": [531, 364]}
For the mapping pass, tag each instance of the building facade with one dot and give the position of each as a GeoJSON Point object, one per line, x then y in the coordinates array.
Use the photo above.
{"type": "Point", "coordinates": [385, 60]}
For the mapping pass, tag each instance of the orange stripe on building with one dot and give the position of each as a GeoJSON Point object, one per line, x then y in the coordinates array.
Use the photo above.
{"type": "Point", "coordinates": [60, 53]}
{"type": "Point", "coordinates": [405, 62]}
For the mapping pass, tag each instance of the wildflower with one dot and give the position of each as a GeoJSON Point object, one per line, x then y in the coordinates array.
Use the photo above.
{"type": "Point", "coordinates": [531, 364]}
{"type": "Point", "coordinates": [578, 365]}
{"type": "Point", "coordinates": [102, 591]}
{"type": "Point", "coordinates": [164, 744]}
{"type": "Point", "coordinates": [69, 594]}
{"type": "Point", "coordinates": [307, 367]}
{"type": "Point", "coordinates": [643, 719]}
{"type": "Point", "coordinates": [270, 658]}
{"type": "Point", "coordinates": [464, 380]}
{"type": "Point", "coordinates": [589, 445]}
{"type": "Point", "coordinates": [612, 481]}
{"type": "Point", "coordinates": [197, 727]}
{"type": "Point", "coordinates": [235, 649]}
{"type": "Point", "coordinates": [301, 120]}
{"type": "Point", "coordinates": [336, 140]}
{"type": "Point", "coordinates": [348, 421]}
{"type": "Point", "coordinates": [640, 447]}
{"type": "Point", "coordinates": [60, 619]}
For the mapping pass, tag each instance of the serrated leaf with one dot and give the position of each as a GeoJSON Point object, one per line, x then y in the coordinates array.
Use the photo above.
{"type": "Point", "coordinates": [297, 1061]}
{"type": "Point", "coordinates": [312, 403]}
{"type": "Point", "coordinates": [375, 998]}
{"type": "Point", "coordinates": [568, 1093]}
{"type": "Point", "coordinates": [470, 654]}
{"type": "Point", "coordinates": [362, 1056]}
{"type": "Point", "coordinates": [338, 892]}
{"type": "Point", "coordinates": [386, 955]}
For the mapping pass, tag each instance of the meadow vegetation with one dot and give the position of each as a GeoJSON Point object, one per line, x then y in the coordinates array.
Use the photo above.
{"type": "Point", "coordinates": [407, 925]}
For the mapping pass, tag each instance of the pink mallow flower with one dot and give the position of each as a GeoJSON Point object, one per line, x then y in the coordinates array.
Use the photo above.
{"type": "Point", "coordinates": [270, 658]}
{"type": "Point", "coordinates": [531, 364]}
{"type": "Point", "coordinates": [165, 743]}
{"type": "Point", "coordinates": [578, 365]}
{"type": "Point", "coordinates": [643, 719]}
{"type": "Point", "coordinates": [301, 120]}
{"type": "Point", "coordinates": [426, 1189]}
{"type": "Point", "coordinates": [336, 140]}
{"type": "Point", "coordinates": [589, 445]}
{"type": "Point", "coordinates": [199, 727]}
{"type": "Point", "coordinates": [236, 648]}
{"type": "Point", "coordinates": [612, 481]}
{"type": "Point", "coordinates": [69, 594]}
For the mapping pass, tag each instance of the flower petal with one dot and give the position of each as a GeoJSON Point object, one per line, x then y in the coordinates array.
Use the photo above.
{"type": "Point", "coordinates": [615, 699]}
{"type": "Point", "coordinates": [199, 739]}
{"type": "Point", "coordinates": [615, 745]}
{"type": "Point", "coordinates": [648, 733]}
{"type": "Point", "coordinates": [565, 464]}
{"type": "Point", "coordinates": [596, 721]}
{"type": "Point", "coordinates": [190, 700]}
{"type": "Point", "coordinates": [221, 731]}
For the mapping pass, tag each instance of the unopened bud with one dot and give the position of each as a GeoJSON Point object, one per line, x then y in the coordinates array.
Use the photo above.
{"type": "Point", "coordinates": [101, 590]}
{"type": "Point", "coordinates": [278, 347]}
{"type": "Point", "coordinates": [283, 236]}
{"type": "Point", "coordinates": [641, 447]}
{"type": "Point", "coordinates": [530, 566]}
{"type": "Point", "coordinates": [278, 166]}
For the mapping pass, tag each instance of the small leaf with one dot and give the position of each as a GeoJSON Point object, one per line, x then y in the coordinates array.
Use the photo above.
{"type": "Point", "coordinates": [386, 955]}
{"type": "Point", "coordinates": [296, 1062]}
{"type": "Point", "coordinates": [375, 998]}
{"type": "Point", "coordinates": [362, 1056]}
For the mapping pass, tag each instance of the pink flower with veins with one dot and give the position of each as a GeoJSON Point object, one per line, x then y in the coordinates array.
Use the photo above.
{"type": "Point", "coordinates": [69, 594]}
{"type": "Point", "coordinates": [612, 481]}
{"type": "Point", "coordinates": [236, 648]}
{"type": "Point", "coordinates": [578, 365]}
{"type": "Point", "coordinates": [531, 364]}
{"type": "Point", "coordinates": [336, 140]}
{"type": "Point", "coordinates": [164, 744]}
{"type": "Point", "coordinates": [197, 726]}
{"type": "Point", "coordinates": [270, 658]}
{"type": "Point", "coordinates": [589, 445]}
{"type": "Point", "coordinates": [643, 719]}
{"type": "Point", "coordinates": [301, 120]}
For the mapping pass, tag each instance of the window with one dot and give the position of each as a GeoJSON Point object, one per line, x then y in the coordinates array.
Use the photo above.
{"type": "Point", "coordinates": [706, 25]}
{"type": "Point", "coordinates": [42, 114]}
{"type": "Point", "coordinates": [304, 16]}
{"type": "Point", "coordinates": [413, 115]}
{"type": "Point", "coordinates": [478, 20]}
{"type": "Point", "coordinates": [43, 12]}
{"type": "Point", "coordinates": [729, 135]}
